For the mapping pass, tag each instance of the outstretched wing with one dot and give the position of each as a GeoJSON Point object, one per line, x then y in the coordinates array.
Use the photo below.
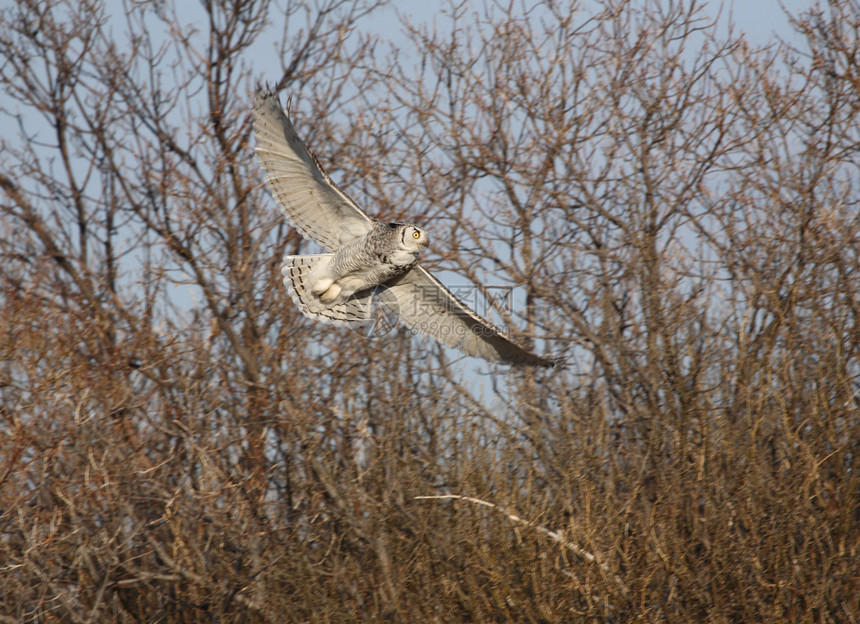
{"type": "Point", "coordinates": [426, 306]}
{"type": "Point", "coordinates": [309, 199]}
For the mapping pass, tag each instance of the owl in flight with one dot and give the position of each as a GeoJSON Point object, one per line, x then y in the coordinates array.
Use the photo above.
{"type": "Point", "coordinates": [366, 260]}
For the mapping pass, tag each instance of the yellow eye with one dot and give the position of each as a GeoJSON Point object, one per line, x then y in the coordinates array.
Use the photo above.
{"type": "Point", "coordinates": [416, 234]}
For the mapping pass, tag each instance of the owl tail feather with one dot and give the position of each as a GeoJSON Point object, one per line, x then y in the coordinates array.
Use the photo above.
{"type": "Point", "coordinates": [296, 271]}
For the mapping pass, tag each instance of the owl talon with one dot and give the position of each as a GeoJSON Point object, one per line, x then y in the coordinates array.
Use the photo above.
{"type": "Point", "coordinates": [321, 286]}
{"type": "Point", "coordinates": [331, 294]}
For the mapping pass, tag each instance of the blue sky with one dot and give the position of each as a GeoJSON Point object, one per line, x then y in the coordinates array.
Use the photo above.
{"type": "Point", "coordinates": [761, 20]}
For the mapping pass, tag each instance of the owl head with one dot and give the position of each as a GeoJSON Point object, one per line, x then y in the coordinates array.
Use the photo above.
{"type": "Point", "coordinates": [413, 238]}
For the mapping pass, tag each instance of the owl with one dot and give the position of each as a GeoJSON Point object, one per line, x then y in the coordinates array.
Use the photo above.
{"type": "Point", "coordinates": [367, 262]}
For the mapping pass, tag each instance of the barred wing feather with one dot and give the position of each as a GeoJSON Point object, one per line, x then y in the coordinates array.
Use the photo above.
{"type": "Point", "coordinates": [309, 199]}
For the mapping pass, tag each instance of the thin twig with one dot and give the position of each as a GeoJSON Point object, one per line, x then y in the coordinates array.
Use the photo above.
{"type": "Point", "coordinates": [556, 537]}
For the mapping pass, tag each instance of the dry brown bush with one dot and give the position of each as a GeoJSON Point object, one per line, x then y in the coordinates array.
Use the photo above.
{"type": "Point", "coordinates": [678, 208]}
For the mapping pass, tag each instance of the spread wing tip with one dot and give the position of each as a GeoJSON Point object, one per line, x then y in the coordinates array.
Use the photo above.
{"type": "Point", "coordinates": [265, 95]}
{"type": "Point", "coordinates": [553, 361]}
{"type": "Point", "coordinates": [529, 358]}
{"type": "Point", "coordinates": [264, 91]}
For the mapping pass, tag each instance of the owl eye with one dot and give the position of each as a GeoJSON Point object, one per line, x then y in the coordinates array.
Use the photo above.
{"type": "Point", "coordinates": [416, 234]}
